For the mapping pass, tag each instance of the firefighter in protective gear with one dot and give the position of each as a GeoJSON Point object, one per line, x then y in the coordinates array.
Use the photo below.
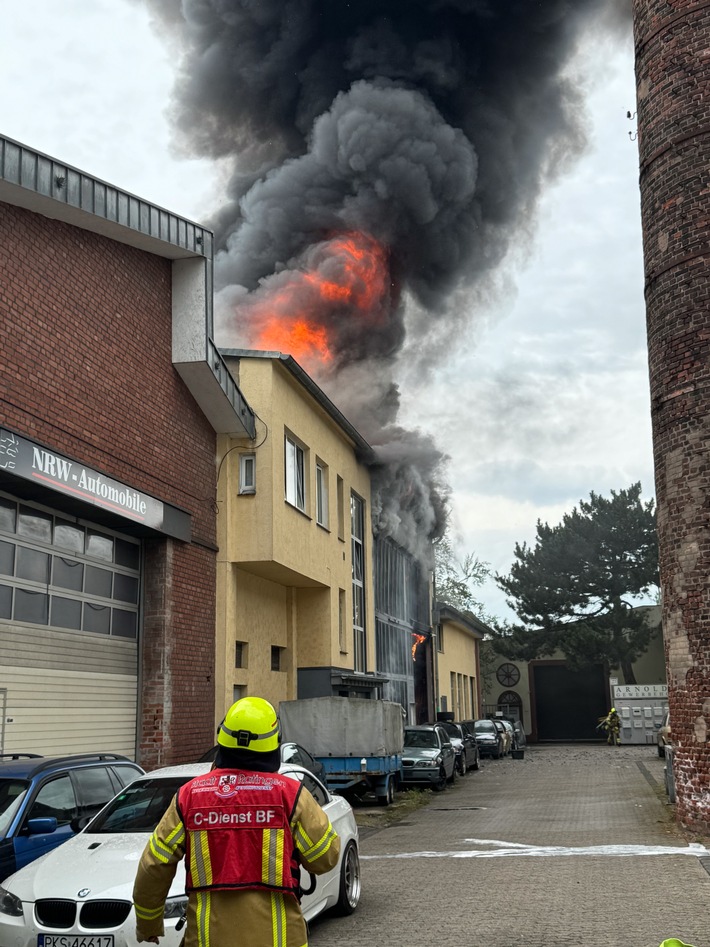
{"type": "Point", "coordinates": [611, 725]}
{"type": "Point", "coordinates": [244, 831]}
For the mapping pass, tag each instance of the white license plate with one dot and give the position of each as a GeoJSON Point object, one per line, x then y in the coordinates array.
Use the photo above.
{"type": "Point", "coordinates": [75, 940]}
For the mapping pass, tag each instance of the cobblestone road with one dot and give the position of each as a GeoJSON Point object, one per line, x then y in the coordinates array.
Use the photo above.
{"type": "Point", "coordinates": [573, 846]}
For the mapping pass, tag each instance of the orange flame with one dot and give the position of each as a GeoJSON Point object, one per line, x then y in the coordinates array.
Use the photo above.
{"type": "Point", "coordinates": [418, 639]}
{"type": "Point", "coordinates": [301, 339]}
{"type": "Point", "coordinates": [293, 311]}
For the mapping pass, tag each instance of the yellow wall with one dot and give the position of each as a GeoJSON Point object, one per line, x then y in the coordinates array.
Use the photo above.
{"type": "Point", "coordinates": [279, 571]}
{"type": "Point", "coordinates": [460, 658]}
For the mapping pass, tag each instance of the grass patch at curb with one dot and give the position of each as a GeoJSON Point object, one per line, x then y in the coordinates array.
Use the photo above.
{"type": "Point", "coordinates": [405, 802]}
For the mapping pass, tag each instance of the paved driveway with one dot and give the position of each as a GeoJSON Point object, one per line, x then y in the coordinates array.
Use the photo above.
{"type": "Point", "coordinates": [573, 846]}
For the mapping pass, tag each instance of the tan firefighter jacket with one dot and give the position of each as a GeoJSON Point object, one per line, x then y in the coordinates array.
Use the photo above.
{"type": "Point", "coordinates": [219, 918]}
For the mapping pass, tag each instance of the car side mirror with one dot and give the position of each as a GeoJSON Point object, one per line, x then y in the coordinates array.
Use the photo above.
{"type": "Point", "coordinates": [43, 826]}
{"type": "Point", "coordinates": [80, 822]}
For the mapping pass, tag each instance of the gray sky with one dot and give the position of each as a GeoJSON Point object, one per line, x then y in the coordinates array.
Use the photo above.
{"type": "Point", "coordinates": [544, 400]}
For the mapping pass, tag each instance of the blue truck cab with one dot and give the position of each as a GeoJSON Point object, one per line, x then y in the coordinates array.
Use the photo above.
{"type": "Point", "coordinates": [42, 797]}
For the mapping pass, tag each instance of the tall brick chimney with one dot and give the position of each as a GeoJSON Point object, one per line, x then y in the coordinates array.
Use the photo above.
{"type": "Point", "coordinates": [672, 40]}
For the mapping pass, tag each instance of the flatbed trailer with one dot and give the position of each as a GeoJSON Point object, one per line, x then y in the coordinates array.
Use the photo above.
{"type": "Point", "coordinates": [358, 741]}
{"type": "Point", "coordinates": [376, 774]}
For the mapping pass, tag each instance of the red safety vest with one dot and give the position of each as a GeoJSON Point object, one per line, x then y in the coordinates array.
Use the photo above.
{"type": "Point", "coordinates": [238, 831]}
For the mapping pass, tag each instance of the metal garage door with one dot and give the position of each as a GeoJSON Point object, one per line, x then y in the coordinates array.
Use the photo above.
{"type": "Point", "coordinates": [568, 703]}
{"type": "Point", "coordinates": [86, 701]}
{"type": "Point", "coordinates": [69, 631]}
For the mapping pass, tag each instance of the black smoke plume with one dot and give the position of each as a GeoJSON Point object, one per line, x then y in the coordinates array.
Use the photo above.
{"type": "Point", "coordinates": [429, 126]}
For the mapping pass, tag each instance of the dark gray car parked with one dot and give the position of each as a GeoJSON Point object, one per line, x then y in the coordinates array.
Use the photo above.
{"type": "Point", "coordinates": [465, 746]}
{"type": "Point", "coordinates": [488, 737]}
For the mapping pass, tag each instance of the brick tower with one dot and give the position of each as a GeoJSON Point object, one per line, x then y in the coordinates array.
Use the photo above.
{"type": "Point", "coordinates": [672, 43]}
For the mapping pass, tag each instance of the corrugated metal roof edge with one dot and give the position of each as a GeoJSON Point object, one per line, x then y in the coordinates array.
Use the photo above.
{"type": "Point", "coordinates": [366, 452]}
{"type": "Point", "coordinates": [38, 182]}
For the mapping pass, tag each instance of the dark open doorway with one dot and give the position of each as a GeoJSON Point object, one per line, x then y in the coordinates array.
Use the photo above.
{"type": "Point", "coordinates": [568, 704]}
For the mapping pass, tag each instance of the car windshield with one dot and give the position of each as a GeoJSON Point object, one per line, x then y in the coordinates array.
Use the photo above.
{"type": "Point", "coordinates": [12, 792]}
{"type": "Point", "coordinates": [484, 726]}
{"type": "Point", "coordinates": [138, 808]}
{"type": "Point", "coordinates": [425, 738]}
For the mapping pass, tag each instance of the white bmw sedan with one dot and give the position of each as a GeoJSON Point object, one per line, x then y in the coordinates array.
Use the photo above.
{"type": "Point", "coordinates": [80, 894]}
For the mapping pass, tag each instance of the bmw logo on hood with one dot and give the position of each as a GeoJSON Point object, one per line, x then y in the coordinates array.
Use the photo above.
{"type": "Point", "coordinates": [83, 893]}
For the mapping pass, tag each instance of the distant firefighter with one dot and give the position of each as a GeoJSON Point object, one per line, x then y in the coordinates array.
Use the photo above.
{"type": "Point", "coordinates": [611, 724]}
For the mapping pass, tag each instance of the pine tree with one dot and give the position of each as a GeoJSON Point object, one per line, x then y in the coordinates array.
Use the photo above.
{"type": "Point", "coordinates": [574, 591]}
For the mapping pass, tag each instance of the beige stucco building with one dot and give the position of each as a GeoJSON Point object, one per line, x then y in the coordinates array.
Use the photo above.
{"type": "Point", "coordinates": [458, 662]}
{"type": "Point", "coordinates": [295, 606]}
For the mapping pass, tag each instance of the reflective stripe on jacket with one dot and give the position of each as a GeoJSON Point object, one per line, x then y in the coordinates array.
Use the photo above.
{"type": "Point", "coordinates": [238, 831]}
{"type": "Point", "coordinates": [263, 917]}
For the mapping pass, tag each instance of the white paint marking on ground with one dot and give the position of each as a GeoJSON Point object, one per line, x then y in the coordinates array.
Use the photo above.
{"type": "Point", "coordinates": [518, 850]}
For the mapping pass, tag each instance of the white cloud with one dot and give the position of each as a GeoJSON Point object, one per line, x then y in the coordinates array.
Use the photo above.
{"type": "Point", "coordinates": [89, 83]}
{"type": "Point", "coordinates": [546, 398]}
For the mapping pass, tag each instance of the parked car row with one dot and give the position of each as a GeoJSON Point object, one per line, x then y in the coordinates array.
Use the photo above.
{"type": "Point", "coordinates": [434, 754]}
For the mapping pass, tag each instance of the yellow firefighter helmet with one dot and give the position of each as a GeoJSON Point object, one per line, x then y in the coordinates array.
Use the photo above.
{"type": "Point", "coordinates": [250, 724]}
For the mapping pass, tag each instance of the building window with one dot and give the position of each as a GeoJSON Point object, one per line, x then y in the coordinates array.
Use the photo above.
{"type": "Point", "coordinates": [357, 533]}
{"type": "Point", "coordinates": [295, 474]}
{"type": "Point", "coordinates": [247, 473]}
{"type": "Point", "coordinates": [240, 654]}
{"type": "Point", "coordinates": [342, 633]}
{"type": "Point", "coordinates": [452, 688]}
{"type": "Point", "coordinates": [321, 494]}
{"type": "Point", "coordinates": [238, 691]}
{"type": "Point", "coordinates": [510, 704]}
{"type": "Point", "coordinates": [277, 658]}
{"type": "Point", "coordinates": [440, 639]}
{"type": "Point", "coordinates": [67, 574]}
{"type": "Point", "coordinates": [341, 508]}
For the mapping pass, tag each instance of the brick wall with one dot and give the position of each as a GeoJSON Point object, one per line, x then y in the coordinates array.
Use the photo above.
{"type": "Point", "coordinates": [672, 70]}
{"type": "Point", "coordinates": [86, 368]}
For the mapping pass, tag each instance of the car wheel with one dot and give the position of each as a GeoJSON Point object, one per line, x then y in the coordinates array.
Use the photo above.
{"type": "Point", "coordinates": [387, 798]}
{"type": "Point", "coordinates": [440, 784]}
{"type": "Point", "coordinates": [350, 884]}
{"type": "Point", "coordinates": [462, 766]}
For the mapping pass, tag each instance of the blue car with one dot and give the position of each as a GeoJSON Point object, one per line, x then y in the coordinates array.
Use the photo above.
{"type": "Point", "coordinates": [42, 797]}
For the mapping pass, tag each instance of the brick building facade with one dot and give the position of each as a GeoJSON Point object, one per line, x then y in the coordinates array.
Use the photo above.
{"type": "Point", "coordinates": [672, 71]}
{"type": "Point", "coordinates": [93, 283]}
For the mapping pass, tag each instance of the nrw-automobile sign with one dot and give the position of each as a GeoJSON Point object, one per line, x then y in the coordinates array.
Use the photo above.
{"type": "Point", "coordinates": [30, 461]}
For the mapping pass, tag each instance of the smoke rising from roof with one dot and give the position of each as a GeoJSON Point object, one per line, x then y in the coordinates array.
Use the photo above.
{"type": "Point", "coordinates": [430, 127]}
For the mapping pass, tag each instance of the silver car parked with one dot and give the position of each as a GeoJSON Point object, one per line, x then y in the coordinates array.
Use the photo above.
{"type": "Point", "coordinates": [428, 757]}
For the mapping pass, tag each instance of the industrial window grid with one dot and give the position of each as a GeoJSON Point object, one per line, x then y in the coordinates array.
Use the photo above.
{"type": "Point", "coordinates": [357, 534]}
{"type": "Point", "coordinates": [62, 572]}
